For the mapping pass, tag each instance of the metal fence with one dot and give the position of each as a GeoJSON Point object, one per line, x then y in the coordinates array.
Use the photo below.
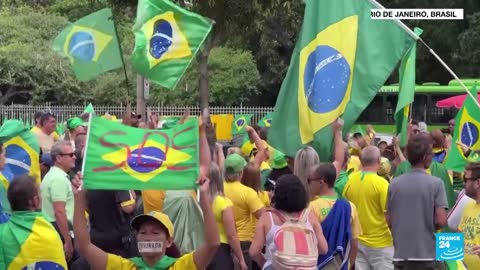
{"type": "Point", "coordinates": [26, 112]}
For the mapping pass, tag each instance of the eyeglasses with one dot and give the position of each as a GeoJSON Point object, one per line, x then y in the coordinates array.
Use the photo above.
{"type": "Point", "coordinates": [68, 154]}
{"type": "Point", "coordinates": [309, 180]}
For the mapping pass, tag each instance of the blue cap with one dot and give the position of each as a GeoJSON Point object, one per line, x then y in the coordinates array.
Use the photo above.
{"type": "Point", "coordinates": [46, 159]}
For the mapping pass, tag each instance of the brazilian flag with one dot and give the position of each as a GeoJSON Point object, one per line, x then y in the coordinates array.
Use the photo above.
{"type": "Point", "coordinates": [240, 123]}
{"type": "Point", "coordinates": [266, 121]}
{"type": "Point", "coordinates": [341, 59]}
{"type": "Point", "coordinates": [91, 44]}
{"type": "Point", "coordinates": [21, 150]}
{"type": "Point", "coordinates": [467, 132]}
{"type": "Point", "coordinates": [24, 240]}
{"type": "Point", "coordinates": [125, 158]}
{"type": "Point", "coordinates": [167, 38]}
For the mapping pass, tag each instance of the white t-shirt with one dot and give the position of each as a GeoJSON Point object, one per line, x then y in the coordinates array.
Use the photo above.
{"type": "Point", "coordinates": [455, 214]}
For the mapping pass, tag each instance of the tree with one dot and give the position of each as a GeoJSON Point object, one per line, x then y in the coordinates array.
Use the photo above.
{"type": "Point", "coordinates": [233, 79]}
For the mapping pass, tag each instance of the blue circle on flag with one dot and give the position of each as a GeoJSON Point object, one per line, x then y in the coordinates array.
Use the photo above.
{"type": "Point", "coordinates": [469, 134]}
{"type": "Point", "coordinates": [240, 122]}
{"type": "Point", "coordinates": [43, 266]}
{"type": "Point", "coordinates": [19, 159]}
{"type": "Point", "coordinates": [146, 160]}
{"type": "Point", "coordinates": [162, 38]}
{"type": "Point", "coordinates": [269, 121]}
{"type": "Point", "coordinates": [326, 77]}
{"type": "Point", "coordinates": [82, 46]}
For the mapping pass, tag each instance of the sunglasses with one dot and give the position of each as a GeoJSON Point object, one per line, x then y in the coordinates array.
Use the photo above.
{"type": "Point", "coordinates": [68, 154]}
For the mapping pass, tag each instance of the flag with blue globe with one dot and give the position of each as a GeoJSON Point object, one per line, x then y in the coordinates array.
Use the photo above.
{"type": "Point", "coordinates": [91, 45]}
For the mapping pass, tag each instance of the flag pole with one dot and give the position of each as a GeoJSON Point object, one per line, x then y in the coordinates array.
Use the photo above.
{"type": "Point", "coordinates": [417, 38]}
{"type": "Point", "coordinates": [89, 129]}
{"type": "Point", "coordinates": [121, 55]}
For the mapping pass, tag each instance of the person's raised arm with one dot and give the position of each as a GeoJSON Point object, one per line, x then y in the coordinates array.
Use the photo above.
{"type": "Point", "coordinates": [96, 257]}
{"type": "Point", "coordinates": [252, 134]}
{"type": "Point", "coordinates": [339, 145]}
{"type": "Point", "coordinates": [203, 255]}
{"type": "Point", "coordinates": [205, 156]}
{"type": "Point", "coordinates": [220, 156]}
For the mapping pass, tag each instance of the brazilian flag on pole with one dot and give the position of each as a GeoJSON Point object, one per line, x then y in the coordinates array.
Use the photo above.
{"type": "Point", "coordinates": [91, 44]}
{"type": "Point", "coordinates": [406, 91]}
{"type": "Point", "coordinates": [167, 37]}
{"type": "Point", "coordinates": [341, 59]}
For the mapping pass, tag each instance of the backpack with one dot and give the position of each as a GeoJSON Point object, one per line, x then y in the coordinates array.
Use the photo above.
{"type": "Point", "coordinates": [295, 243]}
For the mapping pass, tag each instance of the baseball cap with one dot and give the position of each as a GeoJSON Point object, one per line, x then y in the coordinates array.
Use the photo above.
{"type": "Point", "coordinates": [75, 122]}
{"type": "Point", "coordinates": [46, 159]}
{"type": "Point", "coordinates": [279, 161]}
{"type": "Point", "coordinates": [234, 163]}
{"type": "Point", "coordinates": [156, 216]}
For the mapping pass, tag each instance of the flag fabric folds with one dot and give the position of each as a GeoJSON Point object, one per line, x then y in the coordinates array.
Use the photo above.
{"type": "Point", "coordinates": [240, 123]}
{"type": "Point", "coordinates": [24, 239]}
{"type": "Point", "coordinates": [22, 152]}
{"type": "Point", "coordinates": [406, 91]}
{"type": "Point", "coordinates": [467, 131]}
{"type": "Point", "coordinates": [266, 121]}
{"type": "Point", "coordinates": [125, 158]}
{"type": "Point", "coordinates": [89, 109]}
{"type": "Point", "coordinates": [340, 61]}
{"type": "Point", "coordinates": [91, 44]}
{"type": "Point", "coordinates": [167, 37]}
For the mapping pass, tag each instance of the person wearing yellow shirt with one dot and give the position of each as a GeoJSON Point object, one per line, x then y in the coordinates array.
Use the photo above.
{"type": "Point", "coordinates": [246, 203]}
{"type": "Point", "coordinates": [154, 233]}
{"type": "Point", "coordinates": [470, 221]}
{"type": "Point", "coordinates": [321, 182]}
{"type": "Point", "coordinates": [223, 211]}
{"type": "Point", "coordinates": [45, 138]}
{"type": "Point", "coordinates": [368, 192]}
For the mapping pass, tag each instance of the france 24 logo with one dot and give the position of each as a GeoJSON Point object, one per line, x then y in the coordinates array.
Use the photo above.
{"type": "Point", "coordinates": [449, 246]}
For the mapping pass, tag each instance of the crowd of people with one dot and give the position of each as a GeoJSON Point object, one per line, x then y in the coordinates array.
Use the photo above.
{"type": "Point", "coordinates": [376, 206]}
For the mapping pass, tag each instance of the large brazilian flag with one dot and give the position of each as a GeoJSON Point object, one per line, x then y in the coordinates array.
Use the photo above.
{"type": "Point", "coordinates": [341, 59]}
{"type": "Point", "coordinates": [24, 240]}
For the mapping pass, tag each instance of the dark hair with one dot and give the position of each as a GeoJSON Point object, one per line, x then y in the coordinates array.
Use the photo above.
{"type": "Point", "coordinates": [37, 116]}
{"type": "Point", "coordinates": [277, 173]}
{"type": "Point", "coordinates": [389, 152]}
{"type": "Point", "coordinates": [438, 138]}
{"type": "Point", "coordinates": [256, 128]}
{"type": "Point", "coordinates": [327, 172]}
{"type": "Point", "coordinates": [290, 194]}
{"type": "Point", "coordinates": [251, 176]}
{"type": "Point", "coordinates": [263, 133]}
{"type": "Point", "coordinates": [21, 191]}
{"type": "Point", "coordinates": [419, 146]}
{"type": "Point", "coordinates": [1, 148]}
{"type": "Point", "coordinates": [414, 122]}
{"type": "Point", "coordinates": [45, 117]}
{"type": "Point", "coordinates": [475, 168]}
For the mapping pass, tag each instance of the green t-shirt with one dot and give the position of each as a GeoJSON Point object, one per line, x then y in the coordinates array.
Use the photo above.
{"type": "Point", "coordinates": [56, 187]}
{"type": "Point", "coordinates": [340, 183]}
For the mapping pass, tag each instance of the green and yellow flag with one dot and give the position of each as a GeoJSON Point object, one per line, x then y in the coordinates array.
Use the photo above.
{"type": "Point", "coordinates": [167, 37]}
{"type": "Point", "coordinates": [266, 121]}
{"type": "Point", "coordinates": [240, 123]}
{"type": "Point", "coordinates": [126, 158]}
{"type": "Point", "coordinates": [24, 239]}
{"type": "Point", "coordinates": [21, 150]}
{"type": "Point", "coordinates": [91, 44]}
{"type": "Point", "coordinates": [467, 132]}
{"type": "Point", "coordinates": [406, 90]}
{"type": "Point", "coordinates": [89, 109]}
{"type": "Point", "coordinates": [341, 59]}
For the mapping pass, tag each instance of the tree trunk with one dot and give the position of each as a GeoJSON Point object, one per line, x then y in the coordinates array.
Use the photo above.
{"type": "Point", "coordinates": [203, 94]}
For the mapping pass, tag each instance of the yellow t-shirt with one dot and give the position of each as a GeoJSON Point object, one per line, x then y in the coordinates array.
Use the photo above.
{"type": "Point", "coordinates": [223, 125]}
{"type": "Point", "coordinates": [245, 202]}
{"type": "Point", "coordinates": [470, 225]}
{"type": "Point", "coordinates": [322, 205]}
{"type": "Point", "coordinates": [153, 200]}
{"type": "Point", "coordinates": [54, 134]}
{"type": "Point", "coordinates": [354, 163]}
{"type": "Point", "coordinates": [115, 262]}
{"type": "Point", "coordinates": [219, 204]}
{"type": "Point", "coordinates": [265, 199]}
{"type": "Point", "coordinates": [368, 192]}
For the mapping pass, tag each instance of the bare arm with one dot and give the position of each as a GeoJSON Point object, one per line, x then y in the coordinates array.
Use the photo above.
{"type": "Point", "coordinates": [203, 255]}
{"type": "Point", "coordinates": [440, 218]}
{"type": "Point", "coordinates": [261, 149]}
{"type": "Point", "coordinates": [230, 230]}
{"type": "Point", "coordinates": [322, 242]}
{"type": "Point", "coordinates": [258, 240]}
{"type": "Point", "coordinates": [96, 257]}
{"type": "Point", "coordinates": [339, 145]}
{"type": "Point", "coordinates": [205, 156]}
{"type": "Point", "coordinates": [353, 252]}
{"type": "Point", "coordinates": [61, 220]}
{"type": "Point", "coordinates": [220, 156]}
